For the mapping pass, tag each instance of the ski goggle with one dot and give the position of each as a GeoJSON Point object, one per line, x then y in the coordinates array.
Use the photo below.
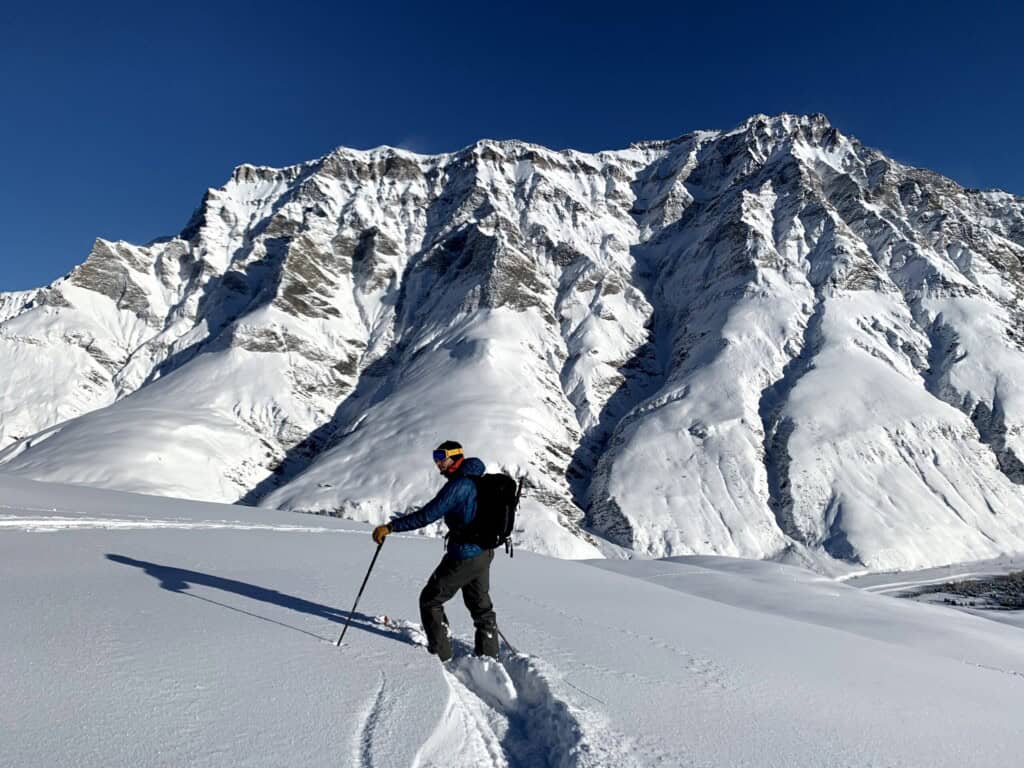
{"type": "Point", "coordinates": [441, 454]}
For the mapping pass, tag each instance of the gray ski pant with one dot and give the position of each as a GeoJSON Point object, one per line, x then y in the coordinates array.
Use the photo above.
{"type": "Point", "coordinates": [473, 577]}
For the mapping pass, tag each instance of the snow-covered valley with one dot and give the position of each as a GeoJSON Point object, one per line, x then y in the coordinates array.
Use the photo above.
{"type": "Point", "coordinates": [151, 631]}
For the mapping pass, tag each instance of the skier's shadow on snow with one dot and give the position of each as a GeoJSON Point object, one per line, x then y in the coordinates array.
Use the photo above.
{"type": "Point", "coordinates": [179, 580]}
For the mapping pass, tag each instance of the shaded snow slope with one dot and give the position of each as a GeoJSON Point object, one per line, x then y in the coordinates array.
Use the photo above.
{"type": "Point", "coordinates": [769, 342]}
{"type": "Point", "coordinates": [157, 632]}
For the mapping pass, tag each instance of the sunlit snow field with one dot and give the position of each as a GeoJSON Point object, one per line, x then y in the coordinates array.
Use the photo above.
{"type": "Point", "coordinates": [148, 631]}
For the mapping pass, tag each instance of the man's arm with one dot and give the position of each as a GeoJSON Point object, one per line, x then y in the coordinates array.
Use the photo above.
{"type": "Point", "coordinates": [447, 499]}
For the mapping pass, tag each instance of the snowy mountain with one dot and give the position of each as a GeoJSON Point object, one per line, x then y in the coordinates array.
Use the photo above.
{"type": "Point", "coordinates": [769, 342]}
{"type": "Point", "coordinates": [157, 632]}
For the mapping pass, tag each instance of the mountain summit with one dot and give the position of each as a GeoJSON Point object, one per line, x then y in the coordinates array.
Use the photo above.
{"type": "Point", "coordinates": [770, 342]}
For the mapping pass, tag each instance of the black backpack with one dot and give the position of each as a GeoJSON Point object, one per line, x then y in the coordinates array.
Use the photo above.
{"type": "Point", "coordinates": [497, 497]}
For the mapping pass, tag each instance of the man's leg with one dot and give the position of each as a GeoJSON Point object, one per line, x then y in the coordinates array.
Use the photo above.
{"type": "Point", "coordinates": [441, 587]}
{"type": "Point", "coordinates": [476, 595]}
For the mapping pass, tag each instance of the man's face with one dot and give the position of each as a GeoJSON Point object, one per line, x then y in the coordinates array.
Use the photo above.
{"type": "Point", "coordinates": [444, 464]}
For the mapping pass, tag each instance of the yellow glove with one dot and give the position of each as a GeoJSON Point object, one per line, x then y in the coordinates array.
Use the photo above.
{"type": "Point", "coordinates": [380, 532]}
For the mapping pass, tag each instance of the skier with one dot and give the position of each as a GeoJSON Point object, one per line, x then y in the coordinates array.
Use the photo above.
{"type": "Point", "coordinates": [465, 565]}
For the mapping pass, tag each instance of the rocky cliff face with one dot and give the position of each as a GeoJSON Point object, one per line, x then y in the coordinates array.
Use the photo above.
{"type": "Point", "coordinates": [766, 342]}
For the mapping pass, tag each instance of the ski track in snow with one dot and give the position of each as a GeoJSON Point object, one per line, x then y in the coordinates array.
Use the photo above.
{"type": "Point", "coordinates": [474, 715]}
{"type": "Point", "coordinates": [508, 712]}
{"type": "Point", "coordinates": [704, 672]}
{"type": "Point", "coordinates": [364, 744]}
{"type": "Point", "coordinates": [54, 524]}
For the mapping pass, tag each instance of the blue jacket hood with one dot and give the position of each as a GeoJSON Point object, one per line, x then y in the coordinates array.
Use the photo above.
{"type": "Point", "coordinates": [471, 466]}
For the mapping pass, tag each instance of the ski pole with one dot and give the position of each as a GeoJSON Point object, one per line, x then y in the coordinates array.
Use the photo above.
{"type": "Point", "coordinates": [564, 679]}
{"type": "Point", "coordinates": [352, 612]}
{"type": "Point", "coordinates": [507, 643]}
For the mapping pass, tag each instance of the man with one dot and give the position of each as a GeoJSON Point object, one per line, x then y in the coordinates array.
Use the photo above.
{"type": "Point", "coordinates": [465, 565]}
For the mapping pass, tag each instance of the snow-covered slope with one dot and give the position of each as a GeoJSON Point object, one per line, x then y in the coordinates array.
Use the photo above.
{"type": "Point", "coordinates": [770, 342]}
{"type": "Point", "coordinates": [154, 632]}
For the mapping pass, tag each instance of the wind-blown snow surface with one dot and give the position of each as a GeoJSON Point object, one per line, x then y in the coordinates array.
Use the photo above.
{"type": "Point", "coordinates": [769, 342]}
{"type": "Point", "coordinates": [148, 631]}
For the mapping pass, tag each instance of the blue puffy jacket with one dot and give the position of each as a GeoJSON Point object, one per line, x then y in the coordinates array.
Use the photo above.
{"type": "Point", "coordinates": [456, 503]}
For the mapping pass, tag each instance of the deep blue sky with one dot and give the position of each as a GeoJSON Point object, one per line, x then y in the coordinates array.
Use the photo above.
{"type": "Point", "coordinates": [116, 117]}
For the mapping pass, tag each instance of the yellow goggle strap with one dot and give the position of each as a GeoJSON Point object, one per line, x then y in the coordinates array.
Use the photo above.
{"type": "Point", "coordinates": [446, 453]}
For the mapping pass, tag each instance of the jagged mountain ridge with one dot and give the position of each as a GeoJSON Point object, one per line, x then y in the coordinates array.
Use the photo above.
{"type": "Point", "coordinates": [766, 342]}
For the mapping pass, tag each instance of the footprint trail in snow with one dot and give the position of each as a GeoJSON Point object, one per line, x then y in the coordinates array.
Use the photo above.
{"type": "Point", "coordinates": [504, 712]}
